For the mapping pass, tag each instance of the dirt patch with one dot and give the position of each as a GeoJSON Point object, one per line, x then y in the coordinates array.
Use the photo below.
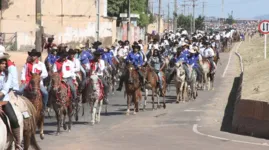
{"type": "Point", "coordinates": [256, 70]}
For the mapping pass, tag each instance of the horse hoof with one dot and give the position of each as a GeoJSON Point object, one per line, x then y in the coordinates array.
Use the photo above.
{"type": "Point", "coordinates": [57, 134]}
{"type": "Point", "coordinates": [177, 102]}
{"type": "Point", "coordinates": [92, 123]}
{"type": "Point", "coordinates": [76, 118]}
{"type": "Point", "coordinates": [42, 136]}
{"type": "Point", "coordinates": [159, 106]}
{"type": "Point", "coordinates": [64, 126]}
{"type": "Point", "coordinates": [69, 131]}
{"type": "Point", "coordinates": [164, 106]}
{"type": "Point", "coordinates": [134, 113]}
{"type": "Point", "coordinates": [127, 113]}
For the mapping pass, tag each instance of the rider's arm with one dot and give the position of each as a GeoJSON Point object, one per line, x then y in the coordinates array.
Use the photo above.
{"type": "Point", "coordinates": [44, 73]}
{"type": "Point", "coordinates": [23, 73]}
{"type": "Point", "coordinates": [7, 84]}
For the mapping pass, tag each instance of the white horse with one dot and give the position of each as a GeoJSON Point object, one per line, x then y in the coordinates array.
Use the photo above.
{"type": "Point", "coordinates": [95, 102]}
{"type": "Point", "coordinates": [6, 139]}
{"type": "Point", "coordinates": [179, 78]}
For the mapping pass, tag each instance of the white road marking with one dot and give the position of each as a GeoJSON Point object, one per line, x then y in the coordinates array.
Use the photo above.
{"type": "Point", "coordinates": [195, 130]}
{"type": "Point", "coordinates": [192, 110]}
{"type": "Point", "coordinates": [230, 56]}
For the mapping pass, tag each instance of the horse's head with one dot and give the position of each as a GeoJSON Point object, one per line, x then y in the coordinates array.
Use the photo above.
{"type": "Point", "coordinates": [94, 80]}
{"type": "Point", "coordinates": [130, 71]}
{"type": "Point", "coordinates": [34, 84]}
{"type": "Point", "coordinates": [55, 81]}
{"type": "Point", "coordinates": [179, 69]}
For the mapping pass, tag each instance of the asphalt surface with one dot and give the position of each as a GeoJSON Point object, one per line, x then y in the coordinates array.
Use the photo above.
{"type": "Point", "coordinates": [186, 126]}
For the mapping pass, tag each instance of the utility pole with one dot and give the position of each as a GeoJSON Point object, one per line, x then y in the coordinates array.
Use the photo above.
{"type": "Point", "coordinates": [193, 14]}
{"type": "Point", "coordinates": [129, 21]}
{"type": "Point", "coordinates": [159, 17]}
{"type": "Point", "coordinates": [184, 6]}
{"type": "Point", "coordinates": [175, 16]}
{"type": "Point", "coordinates": [222, 9]}
{"type": "Point", "coordinates": [203, 9]}
{"type": "Point", "coordinates": [97, 2]}
{"type": "Point", "coordinates": [168, 15]}
{"type": "Point", "coordinates": [38, 33]}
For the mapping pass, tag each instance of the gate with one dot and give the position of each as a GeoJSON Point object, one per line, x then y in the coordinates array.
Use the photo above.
{"type": "Point", "coordinates": [9, 41]}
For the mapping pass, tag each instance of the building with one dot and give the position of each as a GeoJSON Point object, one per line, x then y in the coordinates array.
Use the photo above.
{"type": "Point", "coordinates": [71, 21]}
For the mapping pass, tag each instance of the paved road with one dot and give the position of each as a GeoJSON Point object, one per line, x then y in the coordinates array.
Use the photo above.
{"type": "Point", "coordinates": [193, 125]}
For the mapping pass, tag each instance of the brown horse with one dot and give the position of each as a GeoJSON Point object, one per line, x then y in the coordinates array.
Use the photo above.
{"type": "Point", "coordinates": [152, 79]}
{"type": "Point", "coordinates": [29, 127]}
{"type": "Point", "coordinates": [61, 101]}
{"type": "Point", "coordinates": [33, 93]}
{"type": "Point", "coordinates": [132, 88]}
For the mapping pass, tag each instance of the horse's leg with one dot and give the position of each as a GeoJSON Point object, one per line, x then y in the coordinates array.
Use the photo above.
{"type": "Point", "coordinates": [145, 99]}
{"type": "Point", "coordinates": [208, 84]}
{"type": "Point", "coordinates": [27, 139]}
{"type": "Point", "coordinates": [64, 117]}
{"type": "Point", "coordinates": [152, 98]}
{"type": "Point", "coordinates": [58, 116]}
{"type": "Point", "coordinates": [128, 104]}
{"type": "Point", "coordinates": [135, 101]}
{"type": "Point", "coordinates": [99, 111]}
{"type": "Point", "coordinates": [178, 93]}
{"type": "Point", "coordinates": [157, 96]}
{"type": "Point", "coordinates": [94, 112]}
{"type": "Point", "coordinates": [69, 111]}
{"type": "Point", "coordinates": [42, 117]}
{"type": "Point", "coordinates": [164, 94]}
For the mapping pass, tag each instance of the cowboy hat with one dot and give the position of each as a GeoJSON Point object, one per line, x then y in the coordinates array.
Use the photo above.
{"type": "Point", "coordinates": [81, 46]}
{"type": "Point", "coordinates": [136, 47]}
{"type": "Point", "coordinates": [4, 56]}
{"type": "Point", "coordinates": [63, 53]}
{"type": "Point", "coordinates": [71, 51]}
{"type": "Point", "coordinates": [34, 52]}
{"type": "Point", "coordinates": [192, 50]}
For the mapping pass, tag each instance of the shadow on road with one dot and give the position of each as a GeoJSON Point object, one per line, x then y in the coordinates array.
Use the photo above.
{"type": "Point", "coordinates": [229, 110]}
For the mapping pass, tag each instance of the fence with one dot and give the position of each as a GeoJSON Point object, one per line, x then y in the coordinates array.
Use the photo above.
{"type": "Point", "coordinates": [137, 33]}
{"type": "Point", "coordinates": [250, 117]}
{"type": "Point", "coordinates": [9, 41]}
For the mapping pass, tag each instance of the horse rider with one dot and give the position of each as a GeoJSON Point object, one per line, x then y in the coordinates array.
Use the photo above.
{"type": "Point", "coordinates": [37, 67]}
{"type": "Point", "coordinates": [135, 58]}
{"type": "Point", "coordinates": [157, 64]}
{"type": "Point", "coordinates": [97, 66]}
{"type": "Point", "coordinates": [85, 58]}
{"type": "Point", "coordinates": [195, 60]}
{"type": "Point", "coordinates": [209, 54]}
{"type": "Point", "coordinates": [5, 106]}
{"type": "Point", "coordinates": [141, 51]}
{"type": "Point", "coordinates": [122, 52]}
{"type": "Point", "coordinates": [108, 56]}
{"type": "Point", "coordinates": [52, 57]}
{"type": "Point", "coordinates": [77, 66]}
{"type": "Point", "coordinates": [12, 69]}
{"type": "Point", "coordinates": [66, 69]}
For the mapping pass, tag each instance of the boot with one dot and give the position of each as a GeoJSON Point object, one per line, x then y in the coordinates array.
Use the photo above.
{"type": "Point", "coordinates": [16, 134]}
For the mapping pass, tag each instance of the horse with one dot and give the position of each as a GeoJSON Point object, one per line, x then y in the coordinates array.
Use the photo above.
{"type": "Point", "coordinates": [192, 84]}
{"type": "Point", "coordinates": [94, 95]}
{"type": "Point", "coordinates": [6, 138]}
{"type": "Point", "coordinates": [132, 88]}
{"type": "Point", "coordinates": [33, 93]}
{"type": "Point", "coordinates": [29, 124]}
{"type": "Point", "coordinates": [208, 75]}
{"type": "Point", "coordinates": [61, 101]}
{"type": "Point", "coordinates": [152, 78]}
{"type": "Point", "coordinates": [180, 84]}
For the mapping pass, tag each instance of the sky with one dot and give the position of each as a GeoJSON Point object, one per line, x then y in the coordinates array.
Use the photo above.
{"type": "Point", "coordinates": [243, 9]}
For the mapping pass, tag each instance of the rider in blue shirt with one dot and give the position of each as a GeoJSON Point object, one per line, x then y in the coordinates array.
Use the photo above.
{"type": "Point", "coordinates": [194, 59]}
{"type": "Point", "coordinates": [136, 59]}
{"type": "Point", "coordinates": [52, 57]}
{"type": "Point", "coordinates": [85, 58]}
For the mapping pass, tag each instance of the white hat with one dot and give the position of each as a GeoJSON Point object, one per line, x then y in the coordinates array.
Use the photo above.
{"type": "Point", "coordinates": [4, 56]}
{"type": "Point", "coordinates": [2, 49]}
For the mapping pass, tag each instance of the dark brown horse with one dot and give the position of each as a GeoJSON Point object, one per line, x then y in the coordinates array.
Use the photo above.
{"type": "Point", "coordinates": [33, 93]}
{"type": "Point", "coordinates": [61, 101]}
{"type": "Point", "coordinates": [152, 84]}
{"type": "Point", "coordinates": [132, 88]}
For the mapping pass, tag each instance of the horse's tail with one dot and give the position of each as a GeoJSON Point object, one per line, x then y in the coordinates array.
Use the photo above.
{"type": "Point", "coordinates": [33, 111]}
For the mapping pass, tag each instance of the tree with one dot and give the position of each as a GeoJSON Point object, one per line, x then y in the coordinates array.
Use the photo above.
{"type": "Point", "coordinates": [115, 7]}
{"type": "Point", "coordinates": [4, 4]}
{"type": "Point", "coordinates": [199, 23]}
{"type": "Point", "coordinates": [184, 22]}
{"type": "Point", "coordinates": [230, 20]}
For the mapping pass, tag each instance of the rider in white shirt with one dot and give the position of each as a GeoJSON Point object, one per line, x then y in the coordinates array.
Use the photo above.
{"type": "Point", "coordinates": [209, 54]}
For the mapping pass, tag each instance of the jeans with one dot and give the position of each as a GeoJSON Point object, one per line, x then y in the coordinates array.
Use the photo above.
{"type": "Point", "coordinates": [185, 67]}
{"type": "Point", "coordinates": [211, 63]}
{"type": "Point", "coordinates": [160, 79]}
{"type": "Point", "coordinates": [69, 81]}
{"type": "Point", "coordinates": [44, 92]}
{"type": "Point", "coordinates": [8, 109]}
{"type": "Point", "coordinates": [83, 72]}
{"type": "Point", "coordinates": [199, 73]}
